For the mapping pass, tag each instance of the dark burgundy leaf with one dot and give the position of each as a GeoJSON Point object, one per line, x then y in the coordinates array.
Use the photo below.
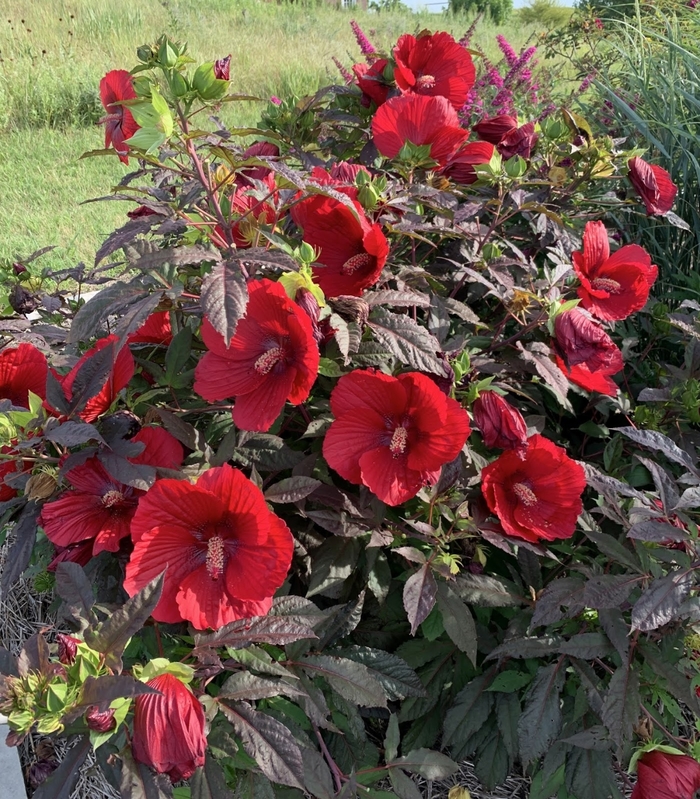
{"type": "Point", "coordinates": [225, 297]}
{"type": "Point", "coordinates": [660, 603]}
{"type": "Point", "coordinates": [62, 781]}
{"type": "Point", "coordinates": [20, 551]}
{"type": "Point", "coordinates": [74, 588]}
{"type": "Point", "coordinates": [419, 595]}
{"type": "Point", "coordinates": [276, 630]}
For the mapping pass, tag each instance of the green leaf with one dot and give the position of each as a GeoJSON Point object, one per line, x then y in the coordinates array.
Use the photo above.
{"type": "Point", "coordinates": [268, 742]}
{"type": "Point", "coordinates": [541, 719]}
{"type": "Point", "coordinates": [395, 676]}
{"type": "Point", "coordinates": [333, 562]}
{"type": "Point", "coordinates": [329, 368]}
{"type": "Point", "coordinates": [352, 680]}
{"type": "Point", "coordinates": [404, 787]}
{"type": "Point", "coordinates": [148, 139]}
{"type": "Point", "coordinates": [458, 621]}
{"type": "Point", "coordinates": [111, 636]}
{"type": "Point", "coordinates": [419, 594]}
{"type": "Point", "coordinates": [589, 775]}
{"type": "Point", "coordinates": [224, 297]}
{"type": "Point", "coordinates": [509, 681]}
{"type": "Point", "coordinates": [492, 762]}
{"type": "Point", "coordinates": [392, 738]}
{"type": "Point", "coordinates": [292, 489]}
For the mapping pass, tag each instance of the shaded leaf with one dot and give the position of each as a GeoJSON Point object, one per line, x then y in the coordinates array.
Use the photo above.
{"type": "Point", "coordinates": [20, 551]}
{"type": "Point", "coordinates": [489, 592]}
{"type": "Point", "coordinates": [529, 647]}
{"type": "Point", "coordinates": [403, 785]}
{"type": "Point", "coordinates": [429, 764]}
{"type": "Point", "coordinates": [592, 738]}
{"type": "Point", "coordinates": [469, 712]}
{"type": "Point", "coordinates": [225, 297]}
{"type": "Point", "coordinates": [139, 782]}
{"type": "Point", "coordinates": [652, 439]}
{"type": "Point", "coordinates": [291, 489]}
{"type": "Point", "coordinates": [541, 720]}
{"type": "Point", "coordinates": [209, 781]}
{"type": "Point", "coordinates": [72, 434]}
{"type": "Point", "coordinates": [276, 630]}
{"type": "Point", "coordinates": [333, 562]}
{"type": "Point", "coordinates": [268, 742]}
{"type": "Point", "coordinates": [419, 594]}
{"type": "Point", "coordinates": [457, 620]}
{"type": "Point", "coordinates": [656, 532]}
{"type": "Point", "coordinates": [621, 707]}
{"type": "Point", "coordinates": [589, 776]}
{"type": "Point", "coordinates": [395, 676]}
{"type": "Point", "coordinates": [567, 592]}
{"type": "Point", "coordinates": [662, 600]}
{"type": "Point", "coordinates": [75, 589]}
{"type": "Point", "coordinates": [244, 685]}
{"type": "Point", "coordinates": [352, 680]}
{"type": "Point", "coordinates": [318, 780]}
{"type": "Point", "coordinates": [60, 784]}
{"type": "Point", "coordinates": [609, 590]}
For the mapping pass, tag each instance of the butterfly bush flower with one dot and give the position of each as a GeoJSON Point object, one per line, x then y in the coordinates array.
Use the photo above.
{"type": "Point", "coordinates": [366, 47]}
{"type": "Point", "coordinates": [434, 65]}
{"type": "Point", "coordinates": [612, 286]}
{"type": "Point", "coordinates": [119, 123]}
{"type": "Point", "coordinates": [536, 494]}
{"type": "Point", "coordinates": [223, 551]}
{"type": "Point", "coordinates": [272, 358]}
{"type": "Point", "coordinates": [169, 729]}
{"type": "Point", "coordinates": [392, 434]}
{"type": "Point", "coordinates": [654, 185]}
{"type": "Point", "coordinates": [22, 369]}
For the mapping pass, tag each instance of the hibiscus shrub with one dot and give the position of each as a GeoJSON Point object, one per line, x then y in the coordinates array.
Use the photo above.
{"type": "Point", "coordinates": [342, 479]}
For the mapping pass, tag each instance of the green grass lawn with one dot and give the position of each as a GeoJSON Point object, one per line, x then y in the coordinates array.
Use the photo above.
{"type": "Point", "coordinates": [54, 52]}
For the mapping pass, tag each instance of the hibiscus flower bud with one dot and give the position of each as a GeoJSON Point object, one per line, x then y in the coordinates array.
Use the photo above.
{"type": "Point", "coordinates": [501, 425]}
{"type": "Point", "coordinates": [169, 729]}
{"type": "Point", "coordinates": [660, 774]}
{"type": "Point", "coordinates": [40, 486]}
{"type": "Point", "coordinates": [19, 268]}
{"type": "Point", "coordinates": [40, 771]}
{"type": "Point", "coordinates": [654, 185]}
{"type": "Point", "coordinates": [352, 309]}
{"type": "Point", "coordinates": [222, 68]}
{"type": "Point", "coordinates": [21, 300]}
{"type": "Point", "coordinates": [100, 720]}
{"type": "Point", "coordinates": [494, 129]}
{"type": "Point", "coordinates": [67, 648]}
{"type": "Point", "coordinates": [518, 141]}
{"type": "Point", "coordinates": [581, 341]}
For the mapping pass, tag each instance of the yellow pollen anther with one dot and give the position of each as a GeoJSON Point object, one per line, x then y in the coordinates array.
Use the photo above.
{"type": "Point", "coordinates": [606, 284]}
{"type": "Point", "coordinates": [360, 261]}
{"type": "Point", "coordinates": [112, 498]}
{"type": "Point", "coordinates": [215, 557]}
{"type": "Point", "coordinates": [525, 494]}
{"type": "Point", "coordinates": [399, 440]}
{"type": "Point", "coordinates": [268, 359]}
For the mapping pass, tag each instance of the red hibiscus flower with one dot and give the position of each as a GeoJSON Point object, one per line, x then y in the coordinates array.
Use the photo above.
{"type": "Point", "coordinates": [224, 553]}
{"type": "Point", "coordinates": [169, 729]}
{"type": "Point", "coordinates": [665, 776]}
{"type": "Point", "coordinates": [434, 65]}
{"type": "Point", "coordinates": [579, 340]}
{"type": "Point", "coordinates": [612, 287]}
{"type": "Point", "coordinates": [155, 330]}
{"type": "Point", "coordinates": [518, 141]}
{"type": "Point", "coordinates": [501, 424]}
{"type": "Point", "coordinates": [119, 122]}
{"type": "Point", "coordinates": [538, 495]}
{"type": "Point", "coordinates": [10, 466]}
{"type": "Point", "coordinates": [118, 378]}
{"type": "Point", "coordinates": [460, 166]}
{"type": "Point", "coordinates": [581, 375]}
{"type": "Point", "coordinates": [161, 450]}
{"type": "Point", "coordinates": [22, 369]}
{"type": "Point", "coordinates": [254, 209]}
{"type": "Point", "coordinates": [419, 120]}
{"type": "Point", "coordinates": [494, 129]}
{"type": "Point", "coordinates": [80, 553]}
{"type": "Point", "coordinates": [97, 507]}
{"type": "Point", "coordinates": [247, 174]}
{"type": "Point", "coordinates": [371, 81]}
{"type": "Point", "coordinates": [345, 173]}
{"type": "Point", "coordinates": [272, 358]}
{"type": "Point", "coordinates": [392, 434]}
{"type": "Point", "coordinates": [353, 250]}
{"type": "Point", "coordinates": [654, 185]}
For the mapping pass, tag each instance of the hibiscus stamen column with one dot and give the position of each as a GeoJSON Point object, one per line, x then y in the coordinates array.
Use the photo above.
{"type": "Point", "coordinates": [216, 557]}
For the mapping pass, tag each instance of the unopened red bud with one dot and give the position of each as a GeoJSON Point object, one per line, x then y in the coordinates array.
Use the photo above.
{"type": "Point", "coordinates": [19, 268]}
{"type": "Point", "coordinates": [222, 68]}
{"type": "Point", "coordinates": [501, 424]}
{"type": "Point", "coordinates": [67, 648]}
{"type": "Point", "coordinates": [100, 720]}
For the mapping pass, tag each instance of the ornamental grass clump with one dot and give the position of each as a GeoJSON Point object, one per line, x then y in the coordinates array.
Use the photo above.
{"type": "Point", "coordinates": [337, 480]}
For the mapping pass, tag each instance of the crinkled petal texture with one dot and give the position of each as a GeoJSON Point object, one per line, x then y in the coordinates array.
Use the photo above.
{"type": "Point", "coordinates": [536, 495]}
{"type": "Point", "coordinates": [273, 357]}
{"type": "Point", "coordinates": [665, 776]}
{"type": "Point", "coordinates": [612, 286]}
{"type": "Point", "coordinates": [501, 424]}
{"type": "Point", "coordinates": [155, 330]}
{"type": "Point", "coordinates": [434, 65]}
{"type": "Point", "coordinates": [120, 372]}
{"type": "Point", "coordinates": [654, 185]}
{"type": "Point", "coordinates": [460, 167]}
{"type": "Point", "coordinates": [495, 128]}
{"type": "Point", "coordinates": [22, 369]}
{"type": "Point", "coordinates": [371, 81]}
{"type": "Point", "coordinates": [223, 552]}
{"type": "Point", "coordinates": [392, 434]}
{"type": "Point", "coordinates": [96, 507]}
{"type": "Point", "coordinates": [119, 122]}
{"type": "Point", "coordinates": [353, 249]}
{"type": "Point", "coordinates": [169, 726]}
{"type": "Point", "coordinates": [580, 340]}
{"type": "Point", "coordinates": [259, 149]}
{"type": "Point", "coordinates": [518, 141]}
{"type": "Point", "coordinates": [420, 120]}
{"type": "Point", "coordinates": [581, 376]}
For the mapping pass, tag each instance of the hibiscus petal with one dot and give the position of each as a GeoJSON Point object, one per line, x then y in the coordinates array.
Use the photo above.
{"type": "Point", "coordinates": [390, 478]}
{"type": "Point", "coordinates": [162, 449]}
{"type": "Point", "coordinates": [363, 389]}
{"type": "Point", "coordinates": [72, 518]}
{"type": "Point", "coordinates": [258, 409]}
{"type": "Point", "coordinates": [348, 438]}
{"type": "Point", "coordinates": [596, 247]}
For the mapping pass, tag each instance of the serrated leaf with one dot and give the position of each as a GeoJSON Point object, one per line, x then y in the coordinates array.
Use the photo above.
{"type": "Point", "coordinates": [390, 297]}
{"type": "Point", "coordinates": [586, 646]}
{"type": "Point", "coordinates": [138, 781]}
{"type": "Point", "coordinates": [665, 485]}
{"type": "Point", "coordinates": [507, 717]}
{"type": "Point", "coordinates": [662, 600]}
{"type": "Point", "coordinates": [112, 301]}
{"type": "Point", "coordinates": [318, 780]}
{"type": "Point", "coordinates": [593, 738]}
{"type": "Point", "coordinates": [72, 434]}
{"type": "Point", "coordinates": [403, 785]}
{"type": "Point", "coordinates": [528, 647]}
{"type": "Point", "coordinates": [333, 562]}
{"type": "Point", "coordinates": [656, 532]}
{"type": "Point", "coordinates": [566, 591]}
{"type": "Point", "coordinates": [352, 680]}
{"type": "Point", "coordinates": [149, 260]}
{"type": "Point", "coordinates": [397, 678]}
{"type": "Point", "coordinates": [621, 706]}
{"type": "Point", "coordinates": [268, 742]}
{"type": "Point", "coordinates": [492, 762]}
{"type": "Point", "coordinates": [60, 784]}
{"type": "Point", "coordinates": [246, 686]}
{"type": "Point", "coordinates": [457, 620]}
{"type": "Point", "coordinates": [291, 489]}
{"type": "Point", "coordinates": [660, 443]}
{"type": "Point", "coordinates": [74, 588]}
{"type": "Point", "coordinates": [276, 630]}
{"type": "Point", "coordinates": [20, 550]}
{"type": "Point", "coordinates": [469, 712]}
{"type": "Point", "coordinates": [615, 550]}
{"type": "Point", "coordinates": [111, 636]}
{"type": "Point", "coordinates": [125, 235]}
{"type": "Point", "coordinates": [489, 592]}
{"type": "Point", "coordinates": [419, 593]}
{"type": "Point", "coordinates": [225, 297]}
{"type": "Point", "coordinates": [609, 590]}
{"type": "Point", "coordinates": [589, 776]}
{"type": "Point", "coordinates": [407, 341]}
{"type": "Point", "coordinates": [541, 719]}
{"type": "Point", "coordinates": [429, 764]}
